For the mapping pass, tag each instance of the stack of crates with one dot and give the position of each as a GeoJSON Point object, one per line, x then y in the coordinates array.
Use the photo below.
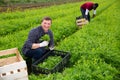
{"type": "Point", "coordinates": [81, 21]}
{"type": "Point", "coordinates": [57, 68]}
{"type": "Point", "coordinates": [12, 65]}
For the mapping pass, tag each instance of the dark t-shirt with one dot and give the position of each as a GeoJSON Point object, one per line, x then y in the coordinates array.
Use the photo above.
{"type": "Point", "coordinates": [34, 36]}
{"type": "Point", "coordinates": [87, 5]}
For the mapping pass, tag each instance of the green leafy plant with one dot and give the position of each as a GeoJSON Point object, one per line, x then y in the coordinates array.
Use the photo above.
{"type": "Point", "coordinates": [45, 38]}
{"type": "Point", "coordinates": [95, 49]}
{"type": "Point", "coordinates": [50, 62]}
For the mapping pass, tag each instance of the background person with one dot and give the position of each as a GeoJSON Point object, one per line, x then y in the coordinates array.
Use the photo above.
{"type": "Point", "coordinates": [33, 47]}
{"type": "Point", "coordinates": [86, 7]}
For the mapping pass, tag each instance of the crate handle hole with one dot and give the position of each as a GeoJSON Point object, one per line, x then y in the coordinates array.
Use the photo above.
{"type": "Point", "coordinates": [25, 68]}
{"type": "Point", "coordinates": [18, 70]}
{"type": "Point", "coordinates": [3, 74]}
{"type": "Point", "coordinates": [11, 72]}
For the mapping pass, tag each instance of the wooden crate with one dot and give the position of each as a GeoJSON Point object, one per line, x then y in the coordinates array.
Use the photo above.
{"type": "Point", "coordinates": [12, 65]}
{"type": "Point", "coordinates": [81, 22]}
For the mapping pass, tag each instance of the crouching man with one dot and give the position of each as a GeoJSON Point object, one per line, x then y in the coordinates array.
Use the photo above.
{"type": "Point", "coordinates": [33, 47]}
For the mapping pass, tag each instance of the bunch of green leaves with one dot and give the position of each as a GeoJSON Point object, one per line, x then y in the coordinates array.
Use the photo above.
{"type": "Point", "coordinates": [45, 38]}
{"type": "Point", "coordinates": [50, 62]}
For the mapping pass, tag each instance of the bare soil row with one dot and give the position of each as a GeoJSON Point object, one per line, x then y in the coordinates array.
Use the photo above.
{"type": "Point", "coordinates": [13, 7]}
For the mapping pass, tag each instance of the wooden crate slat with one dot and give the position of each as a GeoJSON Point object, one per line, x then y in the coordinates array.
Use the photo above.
{"type": "Point", "coordinates": [7, 61]}
{"type": "Point", "coordinates": [19, 56]}
{"type": "Point", "coordinates": [80, 20]}
{"type": "Point", "coordinates": [8, 51]}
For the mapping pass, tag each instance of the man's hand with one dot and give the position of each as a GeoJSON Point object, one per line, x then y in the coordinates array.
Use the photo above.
{"type": "Point", "coordinates": [44, 43]}
{"type": "Point", "coordinates": [93, 15]}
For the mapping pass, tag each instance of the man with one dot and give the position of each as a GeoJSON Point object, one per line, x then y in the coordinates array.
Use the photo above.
{"type": "Point", "coordinates": [33, 47]}
{"type": "Point", "coordinates": [86, 7]}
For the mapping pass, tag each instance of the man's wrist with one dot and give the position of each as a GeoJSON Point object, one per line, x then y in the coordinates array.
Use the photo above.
{"type": "Point", "coordinates": [41, 45]}
{"type": "Point", "coordinates": [44, 43]}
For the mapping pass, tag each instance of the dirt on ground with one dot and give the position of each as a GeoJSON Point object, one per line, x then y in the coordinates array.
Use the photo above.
{"type": "Point", "coordinates": [32, 5]}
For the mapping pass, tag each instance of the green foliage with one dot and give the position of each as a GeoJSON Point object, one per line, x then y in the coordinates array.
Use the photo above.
{"type": "Point", "coordinates": [50, 62]}
{"type": "Point", "coordinates": [17, 21]}
{"type": "Point", "coordinates": [95, 49]}
{"type": "Point", "coordinates": [2, 2]}
{"type": "Point", "coordinates": [45, 38]}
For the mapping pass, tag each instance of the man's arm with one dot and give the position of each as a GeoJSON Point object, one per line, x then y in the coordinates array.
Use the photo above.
{"type": "Point", "coordinates": [51, 42]}
{"type": "Point", "coordinates": [86, 12]}
{"type": "Point", "coordinates": [32, 39]}
{"type": "Point", "coordinates": [42, 44]}
{"type": "Point", "coordinates": [35, 45]}
{"type": "Point", "coordinates": [94, 13]}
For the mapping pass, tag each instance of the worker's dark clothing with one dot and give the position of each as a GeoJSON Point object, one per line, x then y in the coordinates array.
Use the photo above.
{"type": "Point", "coordinates": [87, 17]}
{"type": "Point", "coordinates": [89, 6]}
{"type": "Point", "coordinates": [34, 37]}
{"type": "Point", "coordinates": [36, 53]}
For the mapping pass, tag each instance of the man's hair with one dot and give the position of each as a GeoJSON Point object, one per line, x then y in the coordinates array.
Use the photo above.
{"type": "Point", "coordinates": [96, 5]}
{"type": "Point", "coordinates": [46, 18]}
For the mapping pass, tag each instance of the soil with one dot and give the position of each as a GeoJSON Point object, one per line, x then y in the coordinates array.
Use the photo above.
{"type": "Point", "coordinates": [32, 5]}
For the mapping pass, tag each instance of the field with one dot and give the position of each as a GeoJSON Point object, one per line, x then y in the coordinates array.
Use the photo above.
{"type": "Point", "coordinates": [13, 5]}
{"type": "Point", "coordinates": [95, 49]}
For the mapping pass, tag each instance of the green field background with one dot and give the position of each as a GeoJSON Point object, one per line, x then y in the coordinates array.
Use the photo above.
{"type": "Point", "coordinates": [95, 49]}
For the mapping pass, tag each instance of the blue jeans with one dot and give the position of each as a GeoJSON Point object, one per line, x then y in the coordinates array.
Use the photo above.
{"type": "Point", "coordinates": [87, 17]}
{"type": "Point", "coordinates": [36, 53]}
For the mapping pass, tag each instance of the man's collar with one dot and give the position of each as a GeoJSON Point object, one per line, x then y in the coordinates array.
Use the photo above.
{"type": "Point", "coordinates": [43, 30]}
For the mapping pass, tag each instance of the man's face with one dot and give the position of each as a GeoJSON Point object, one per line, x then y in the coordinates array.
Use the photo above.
{"type": "Point", "coordinates": [46, 25]}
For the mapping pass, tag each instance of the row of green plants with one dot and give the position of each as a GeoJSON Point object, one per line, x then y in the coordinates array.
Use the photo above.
{"type": "Point", "coordinates": [14, 25]}
{"type": "Point", "coordinates": [17, 21]}
{"type": "Point", "coordinates": [18, 39]}
{"type": "Point", "coordinates": [35, 12]}
{"type": "Point", "coordinates": [94, 49]}
{"type": "Point", "coordinates": [12, 2]}
{"type": "Point", "coordinates": [89, 46]}
{"type": "Point", "coordinates": [61, 26]}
